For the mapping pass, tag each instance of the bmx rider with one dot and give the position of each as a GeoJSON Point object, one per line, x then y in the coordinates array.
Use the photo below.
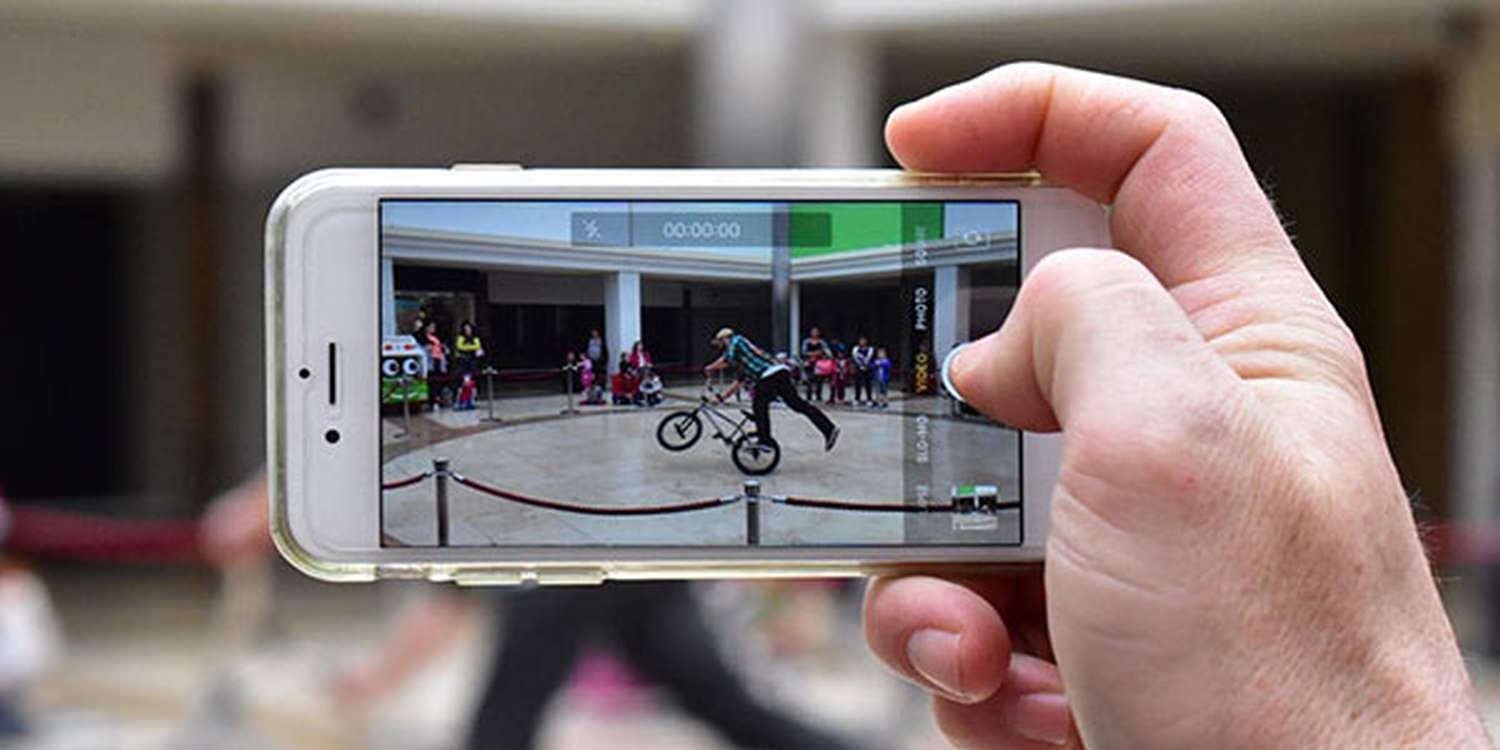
{"type": "Point", "coordinates": [772, 381]}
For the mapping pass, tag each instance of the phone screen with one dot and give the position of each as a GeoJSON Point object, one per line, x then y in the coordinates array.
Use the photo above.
{"type": "Point", "coordinates": [704, 374]}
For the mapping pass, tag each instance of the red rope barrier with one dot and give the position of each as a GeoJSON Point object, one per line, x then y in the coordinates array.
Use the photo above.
{"type": "Point", "coordinates": [592, 510]}
{"type": "Point", "coordinates": [407, 482]}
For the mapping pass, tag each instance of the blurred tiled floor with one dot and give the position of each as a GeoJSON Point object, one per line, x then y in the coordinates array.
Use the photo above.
{"type": "Point", "coordinates": [149, 665]}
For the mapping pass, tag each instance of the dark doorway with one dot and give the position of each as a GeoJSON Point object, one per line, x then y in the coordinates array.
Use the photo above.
{"type": "Point", "coordinates": [60, 304]}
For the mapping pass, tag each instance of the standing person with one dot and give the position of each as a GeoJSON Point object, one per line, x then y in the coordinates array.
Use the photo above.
{"type": "Point", "coordinates": [437, 357]}
{"type": "Point", "coordinates": [437, 351]}
{"type": "Point", "coordinates": [571, 381]}
{"type": "Point", "coordinates": [864, 355]}
{"type": "Point", "coordinates": [595, 350]}
{"type": "Point", "coordinates": [813, 349]}
{"type": "Point", "coordinates": [843, 371]}
{"type": "Point", "coordinates": [771, 381]}
{"type": "Point", "coordinates": [880, 371]}
{"type": "Point", "coordinates": [470, 348]}
{"type": "Point", "coordinates": [640, 359]}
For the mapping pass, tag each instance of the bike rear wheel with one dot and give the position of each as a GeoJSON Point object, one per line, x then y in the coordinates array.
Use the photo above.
{"type": "Point", "coordinates": [679, 430]}
{"type": "Point", "coordinates": [755, 457]}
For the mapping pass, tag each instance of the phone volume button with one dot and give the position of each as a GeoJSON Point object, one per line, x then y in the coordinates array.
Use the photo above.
{"type": "Point", "coordinates": [570, 576]}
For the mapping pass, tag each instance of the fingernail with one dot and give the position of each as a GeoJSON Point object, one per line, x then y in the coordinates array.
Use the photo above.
{"type": "Point", "coordinates": [953, 364]}
{"type": "Point", "coordinates": [934, 655]}
{"type": "Point", "coordinates": [1043, 717]}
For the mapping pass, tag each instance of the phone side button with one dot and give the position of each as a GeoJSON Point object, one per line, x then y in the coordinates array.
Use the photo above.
{"type": "Point", "coordinates": [508, 577]}
{"type": "Point", "coordinates": [570, 576]}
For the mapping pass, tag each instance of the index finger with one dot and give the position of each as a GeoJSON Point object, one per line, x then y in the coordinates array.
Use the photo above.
{"type": "Point", "coordinates": [1185, 201]}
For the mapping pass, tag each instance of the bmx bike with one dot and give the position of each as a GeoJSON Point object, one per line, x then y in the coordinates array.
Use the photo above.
{"type": "Point", "coordinates": [681, 430]}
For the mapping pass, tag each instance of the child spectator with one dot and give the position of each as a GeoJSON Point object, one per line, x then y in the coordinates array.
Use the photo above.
{"type": "Point", "coordinates": [864, 354]}
{"type": "Point", "coordinates": [625, 385]}
{"type": "Point", "coordinates": [466, 393]}
{"type": "Point", "coordinates": [822, 371]}
{"type": "Point", "coordinates": [651, 388]}
{"type": "Point", "coordinates": [843, 372]}
{"type": "Point", "coordinates": [639, 358]}
{"type": "Point", "coordinates": [880, 369]}
{"type": "Point", "coordinates": [593, 390]}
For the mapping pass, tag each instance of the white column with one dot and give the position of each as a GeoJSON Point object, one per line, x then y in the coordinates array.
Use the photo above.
{"type": "Point", "coordinates": [748, 72]}
{"type": "Point", "coordinates": [387, 297]}
{"type": "Point", "coordinates": [794, 320]}
{"type": "Point", "coordinates": [622, 314]}
{"type": "Point", "coordinates": [950, 309]}
{"type": "Point", "coordinates": [841, 119]}
{"type": "Point", "coordinates": [1474, 431]}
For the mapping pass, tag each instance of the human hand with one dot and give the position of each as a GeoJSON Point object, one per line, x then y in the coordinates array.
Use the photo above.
{"type": "Point", "coordinates": [1232, 560]}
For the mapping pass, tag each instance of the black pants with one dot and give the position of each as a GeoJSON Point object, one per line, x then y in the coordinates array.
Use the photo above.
{"type": "Point", "coordinates": [862, 384]}
{"type": "Point", "coordinates": [779, 385]}
{"type": "Point", "coordinates": [658, 627]}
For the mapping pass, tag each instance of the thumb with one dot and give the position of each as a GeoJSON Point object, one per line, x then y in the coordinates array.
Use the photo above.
{"type": "Point", "coordinates": [1097, 347]}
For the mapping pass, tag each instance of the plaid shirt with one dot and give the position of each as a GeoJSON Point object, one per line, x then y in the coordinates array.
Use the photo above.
{"type": "Point", "coordinates": [747, 356]}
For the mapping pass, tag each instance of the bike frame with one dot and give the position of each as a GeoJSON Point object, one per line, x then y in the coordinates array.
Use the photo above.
{"type": "Point", "coordinates": [711, 410]}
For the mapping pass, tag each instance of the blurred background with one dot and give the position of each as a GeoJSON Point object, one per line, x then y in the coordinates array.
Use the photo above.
{"type": "Point", "coordinates": [142, 143]}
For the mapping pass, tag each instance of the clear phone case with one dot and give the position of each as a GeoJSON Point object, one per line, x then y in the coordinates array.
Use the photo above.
{"type": "Point", "coordinates": [564, 564]}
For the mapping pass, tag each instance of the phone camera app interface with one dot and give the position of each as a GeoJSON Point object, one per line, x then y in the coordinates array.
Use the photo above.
{"type": "Point", "coordinates": [670, 373]}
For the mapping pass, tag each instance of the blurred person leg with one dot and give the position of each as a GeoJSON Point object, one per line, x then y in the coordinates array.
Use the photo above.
{"type": "Point", "coordinates": [30, 642]}
{"type": "Point", "coordinates": [663, 632]}
{"type": "Point", "coordinates": [541, 634]}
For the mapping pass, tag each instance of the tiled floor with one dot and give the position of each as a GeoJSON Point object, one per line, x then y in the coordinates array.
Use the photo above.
{"type": "Point", "coordinates": [610, 456]}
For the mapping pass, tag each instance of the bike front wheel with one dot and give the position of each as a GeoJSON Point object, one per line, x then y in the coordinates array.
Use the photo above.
{"type": "Point", "coordinates": [754, 456]}
{"type": "Point", "coordinates": [679, 430]}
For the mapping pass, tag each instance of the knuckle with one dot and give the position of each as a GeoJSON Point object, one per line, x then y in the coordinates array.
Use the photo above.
{"type": "Point", "coordinates": [1070, 281]}
{"type": "Point", "coordinates": [1084, 267]}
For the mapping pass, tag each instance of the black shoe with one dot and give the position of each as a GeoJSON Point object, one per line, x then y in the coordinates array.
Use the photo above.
{"type": "Point", "coordinates": [831, 438]}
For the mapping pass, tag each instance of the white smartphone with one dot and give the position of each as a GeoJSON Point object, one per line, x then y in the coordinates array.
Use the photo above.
{"type": "Point", "coordinates": [501, 375]}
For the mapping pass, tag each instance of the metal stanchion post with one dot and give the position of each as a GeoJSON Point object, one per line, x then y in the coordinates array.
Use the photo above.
{"type": "Point", "coordinates": [752, 512]}
{"type": "Point", "coordinates": [440, 478]}
{"type": "Point", "coordinates": [489, 377]}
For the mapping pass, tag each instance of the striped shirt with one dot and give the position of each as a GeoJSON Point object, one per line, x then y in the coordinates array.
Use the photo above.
{"type": "Point", "coordinates": [749, 358]}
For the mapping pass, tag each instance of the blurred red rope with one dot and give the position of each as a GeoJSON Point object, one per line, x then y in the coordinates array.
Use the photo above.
{"type": "Point", "coordinates": [66, 535]}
